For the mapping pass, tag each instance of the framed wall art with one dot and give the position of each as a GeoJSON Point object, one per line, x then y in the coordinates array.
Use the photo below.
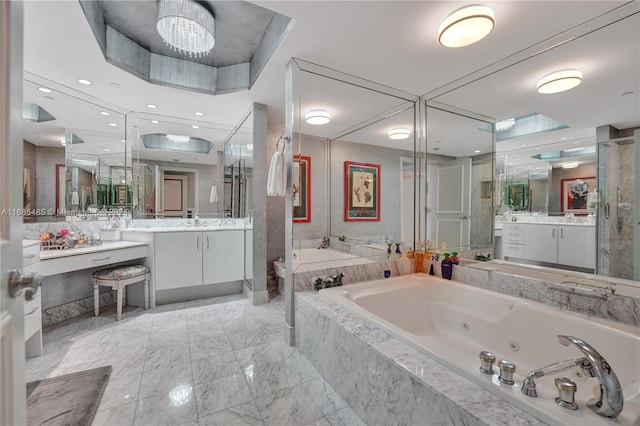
{"type": "Point", "coordinates": [361, 192]}
{"type": "Point", "coordinates": [575, 192]}
{"type": "Point", "coordinates": [301, 188]}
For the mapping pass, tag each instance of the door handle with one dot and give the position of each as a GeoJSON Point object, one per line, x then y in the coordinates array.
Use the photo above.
{"type": "Point", "coordinates": [607, 210]}
{"type": "Point", "coordinates": [207, 242]}
{"type": "Point", "coordinates": [198, 243]}
{"type": "Point", "coordinates": [553, 232]}
{"type": "Point", "coordinates": [464, 217]}
{"type": "Point", "coordinates": [561, 233]}
{"type": "Point", "coordinates": [19, 283]}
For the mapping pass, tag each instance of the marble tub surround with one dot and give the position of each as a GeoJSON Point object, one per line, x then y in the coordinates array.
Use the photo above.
{"type": "Point", "coordinates": [386, 381]}
{"type": "Point", "coordinates": [623, 306]}
{"type": "Point", "coordinates": [352, 274]}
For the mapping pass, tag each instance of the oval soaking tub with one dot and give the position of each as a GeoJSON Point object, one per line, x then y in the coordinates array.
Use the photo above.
{"type": "Point", "coordinates": [453, 322]}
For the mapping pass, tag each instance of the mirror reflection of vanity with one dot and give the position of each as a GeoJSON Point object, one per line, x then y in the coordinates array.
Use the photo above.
{"type": "Point", "coordinates": [567, 196]}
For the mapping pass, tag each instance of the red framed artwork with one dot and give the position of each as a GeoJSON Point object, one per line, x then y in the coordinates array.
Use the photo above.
{"type": "Point", "coordinates": [574, 193]}
{"type": "Point", "coordinates": [301, 188]}
{"type": "Point", "coordinates": [361, 192]}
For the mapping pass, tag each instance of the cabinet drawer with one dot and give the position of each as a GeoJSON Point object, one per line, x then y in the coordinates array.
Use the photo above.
{"type": "Point", "coordinates": [513, 236]}
{"type": "Point", "coordinates": [514, 227]}
{"type": "Point", "coordinates": [32, 316]}
{"type": "Point", "coordinates": [513, 250]}
{"type": "Point", "coordinates": [30, 255]}
{"type": "Point", "coordinates": [60, 265]}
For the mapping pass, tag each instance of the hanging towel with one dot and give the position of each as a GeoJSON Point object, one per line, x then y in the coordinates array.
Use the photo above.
{"type": "Point", "coordinates": [213, 198]}
{"type": "Point", "coordinates": [276, 180]}
{"type": "Point", "coordinates": [75, 200]}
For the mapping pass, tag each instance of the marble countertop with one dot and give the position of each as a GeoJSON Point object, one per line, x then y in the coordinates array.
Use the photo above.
{"type": "Point", "coordinates": [105, 246]}
{"type": "Point", "coordinates": [562, 222]}
{"type": "Point", "coordinates": [189, 228]}
{"type": "Point", "coordinates": [29, 243]}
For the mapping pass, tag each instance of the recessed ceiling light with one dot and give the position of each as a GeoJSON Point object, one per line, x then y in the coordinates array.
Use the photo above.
{"type": "Point", "coordinates": [155, 121]}
{"type": "Point", "coordinates": [195, 126]}
{"type": "Point", "coordinates": [45, 90]}
{"type": "Point", "coordinates": [523, 145]}
{"type": "Point", "coordinates": [107, 150]}
{"type": "Point", "coordinates": [399, 133]}
{"type": "Point", "coordinates": [152, 106]}
{"type": "Point", "coordinates": [563, 139]}
{"type": "Point", "coordinates": [122, 140]}
{"type": "Point", "coordinates": [104, 113]}
{"type": "Point", "coordinates": [199, 113]}
{"type": "Point", "coordinates": [317, 117]}
{"type": "Point", "coordinates": [476, 151]}
{"type": "Point", "coordinates": [84, 81]}
{"type": "Point", "coordinates": [576, 142]}
{"type": "Point", "coordinates": [570, 165]}
{"type": "Point", "coordinates": [113, 125]}
{"type": "Point", "coordinates": [559, 81]}
{"type": "Point", "coordinates": [466, 26]}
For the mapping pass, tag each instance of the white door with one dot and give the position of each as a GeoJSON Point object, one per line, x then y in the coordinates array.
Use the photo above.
{"type": "Point", "coordinates": [12, 378]}
{"type": "Point", "coordinates": [453, 203]}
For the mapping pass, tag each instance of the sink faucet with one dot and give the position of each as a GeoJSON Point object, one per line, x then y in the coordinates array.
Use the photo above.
{"type": "Point", "coordinates": [326, 242]}
{"type": "Point", "coordinates": [594, 365]}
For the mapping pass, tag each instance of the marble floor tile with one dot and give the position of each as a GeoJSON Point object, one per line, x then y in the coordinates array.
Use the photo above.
{"type": "Point", "coordinates": [162, 358]}
{"type": "Point", "coordinates": [212, 346]}
{"type": "Point", "coordinates": [291, 406]}
{"type": "Point", "coordinates": [269, 353]}
{"type": "Point", "coordinates": [121, 391]}
{"type": "Point", "coordinates": [325, 397]}
{"type": "Point", "coordinates": [248, 337]}
{"type": "Point", "coordinates": [167, 409]}
{"type": "Point", "coordinates": [163, 339]}
{"type": "Point", "coordinates": [121, 415]}
{"type": "Point", "coordinates": [214, 367]}
{"type": "Point", "coordinates": [238, 322]}
{"type": "Point", "coordinates": [270, 378]}
{"type": "Point", "coordinates": [302, 368]}
{"type": "Point", "coordinates": [125, 365]}
{"type": "Point", "coordinates": [165, 379]}
{"type": "Point", "coordinates": [322, 421]}
{"type": "Point", "coordinates": [240, 415]}
{"type": "Point", "coordinates": [41, 367]}
{"type": "Point", "coordinates": [345, 417]}
{"type": "Point", "coordinates": [220, 394]}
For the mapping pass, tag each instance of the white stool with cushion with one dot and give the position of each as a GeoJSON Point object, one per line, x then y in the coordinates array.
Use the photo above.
{"type": "Point", "coordinates": [118, 277]}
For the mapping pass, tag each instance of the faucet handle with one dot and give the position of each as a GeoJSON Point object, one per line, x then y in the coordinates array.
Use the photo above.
{"type": "Point", "coordinates": [507, 368]}
{"type": "Point", "coordinates": [567, 389]}
{"type": "Point", "coordinates": [487, 359]}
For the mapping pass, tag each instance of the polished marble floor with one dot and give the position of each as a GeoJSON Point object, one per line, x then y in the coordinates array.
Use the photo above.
{"type": "Point", "coordinates": [210, 362]}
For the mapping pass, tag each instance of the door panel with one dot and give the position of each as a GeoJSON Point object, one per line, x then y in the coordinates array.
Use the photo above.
{"type": "Point", "coordinates": [171, 246]}
{"type": "Point", "coordinates": [453, 203]}
{"type": "Point", "coordinates": [12, 351]}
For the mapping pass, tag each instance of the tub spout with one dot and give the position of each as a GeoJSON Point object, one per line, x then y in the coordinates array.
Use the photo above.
{"type": "Point", "coordinates": [593, 365]}
{"type": "Point", "coordinates": [326, 242]}
{"type": "Point", "coordinates": [611, 400]}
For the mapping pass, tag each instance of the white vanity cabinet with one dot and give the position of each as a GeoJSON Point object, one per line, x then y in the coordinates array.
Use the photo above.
{"type": "Point", "coordinates": [178, 259]}
{"type": "Point", "coordinates": [223, 256]}
{"type": "Point", "coordinates": [33, 307]}
{"type": "Point", "coordinates": [571, 245]}
{"type": "Point", "coordinates": [192, 258]}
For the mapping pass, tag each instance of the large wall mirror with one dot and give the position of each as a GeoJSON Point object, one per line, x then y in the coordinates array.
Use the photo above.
{"type": "Point", "coordinates": [74, 155]}
{"type": "Point", "coordinates": [566, 162]}
{"type": "Point", "coordinates": [238, 170]}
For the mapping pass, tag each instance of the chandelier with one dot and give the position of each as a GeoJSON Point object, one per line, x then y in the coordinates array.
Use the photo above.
{"type": "Point", "coordinates": [186, 27]}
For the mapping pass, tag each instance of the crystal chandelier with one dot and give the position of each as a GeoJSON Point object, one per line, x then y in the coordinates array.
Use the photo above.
{"type": "Point", "coordinates": [186, 27]}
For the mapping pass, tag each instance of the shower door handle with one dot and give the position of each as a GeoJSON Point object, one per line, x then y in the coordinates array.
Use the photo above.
{"type": "Point", "coordinates": [607, 210]}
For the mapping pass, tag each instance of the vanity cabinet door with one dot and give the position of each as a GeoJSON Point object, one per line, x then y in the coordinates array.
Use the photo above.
{"type": "Point", "coordinates": [223, 258]}
{"type": "Point", "coordinates": [248, 254]}
{"type": "Point", "coordinates": [577, 246]}
{"type": "Point", "coordinates": [541, 242]}
{"type": "Point", "coordinates": [178, 259]}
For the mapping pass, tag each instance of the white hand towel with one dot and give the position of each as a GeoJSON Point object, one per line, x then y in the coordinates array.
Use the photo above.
{"type": "Point", "coordinates": [75, 200]}
{"type": "Point", "coordinates": [276, 179]}
{"type": "Point", "coordinates": [213, 197]}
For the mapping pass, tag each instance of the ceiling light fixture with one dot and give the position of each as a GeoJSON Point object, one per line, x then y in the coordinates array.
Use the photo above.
{"type": "Point", "coordinates": [104, 113]}
{"type": "Point", "coordinates": [559, 81]}
{"type": "Point", "coordinates": [186, 27]}
{"type": "Point", "coordinates": [399, 133]}
{"type": "Point", "coordinates": [317, 117]}
{"type": "Point", "coordinates": [113, 125]}
{"type": "Point", "coordinates": [198, 113]}
{"type": "Point", "coordinates": [178, 138]}
{"type": "Point", "coordinates": [122, 140]}
{"type": "Point", "coordinates": [477, 151]}
{"type": "Point", "coordinates": [195, 127]}
{"type": "Point", "coordinates": [505, 124]}
{"type": "Point", "coordinates": [570, 165]}
{"type": "Point", "coordinates": [466, 26]}
{"type": "Point", "coordinates": [63, 141]}
{"type": "Point", "coordinates": [155, 121]}
{"type": "Point", "coordinates": [44, 89]}
{"type": "Point", "coordinates": [152, 106]}
{"type": "Point", "coordinates": [84, 81]}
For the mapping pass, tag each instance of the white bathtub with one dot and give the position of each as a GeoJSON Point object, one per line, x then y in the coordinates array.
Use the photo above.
{"type": "Point", "coordinates": [453, 322]}
{"type": "Point", "coordinates": [313, 259]}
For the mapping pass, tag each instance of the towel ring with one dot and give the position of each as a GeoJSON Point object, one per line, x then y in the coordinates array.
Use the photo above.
{"type": "Point", "coordinates": [284, 140]}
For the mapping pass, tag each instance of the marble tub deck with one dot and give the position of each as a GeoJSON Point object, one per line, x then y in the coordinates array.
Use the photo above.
{"type": "Point", "coordinates": [218, 361]}
{"type": "Point", "coordinates": [387, 382]}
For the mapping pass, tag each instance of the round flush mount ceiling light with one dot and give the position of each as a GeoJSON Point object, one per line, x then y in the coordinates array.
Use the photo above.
{"type": "Point", "coordinates": [559, 81]}
{"type": "Point", "coordinates": [84, 81]}
{"type": "Point", "coordinates": [570, 165]}
{"type": "Point", "coordinates": [466, 26]}
{"type": "Point", "coordinates": [317, 117]}
{"type": "Point", "coordinates": [399, 133]}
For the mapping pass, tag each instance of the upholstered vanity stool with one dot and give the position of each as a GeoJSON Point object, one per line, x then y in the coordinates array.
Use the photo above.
{"type": "Point", "coordinates": [118, 277]}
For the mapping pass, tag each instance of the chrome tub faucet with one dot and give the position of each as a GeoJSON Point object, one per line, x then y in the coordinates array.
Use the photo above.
{"type": "Point", "coordinates": [593, 365]}
{"type": "Point", "coordinates": [326, 242]}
